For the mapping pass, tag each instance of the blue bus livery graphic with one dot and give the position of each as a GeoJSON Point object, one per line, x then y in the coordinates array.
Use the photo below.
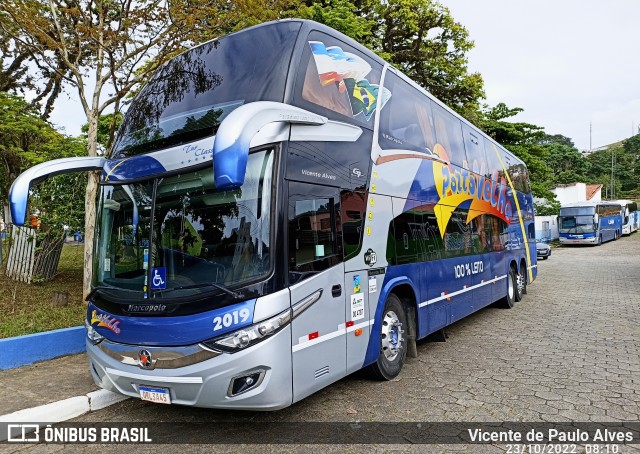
{"type": "Point", "coordinates": [301, 211]}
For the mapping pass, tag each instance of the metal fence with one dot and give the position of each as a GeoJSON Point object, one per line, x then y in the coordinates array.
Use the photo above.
{"type": "Point", "coordinates": [28, 255]}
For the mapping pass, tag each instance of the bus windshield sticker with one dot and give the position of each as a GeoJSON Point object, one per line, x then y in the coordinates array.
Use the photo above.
{"type": "Point", "coordinates": [370, 257]}
{"type": "Point", "coordinates": [357, 306]}
{"type": "Point", "coordinates": [159, 279]}
{"type": "Point", "coordinates": [348, 70]}
{"type": "Point", "coordinates": [373, 284]}
{"type": "Point", "coordinates": [356, 284]}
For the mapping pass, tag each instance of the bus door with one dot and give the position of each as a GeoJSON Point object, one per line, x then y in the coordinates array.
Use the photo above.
{"type": "Point", "coordinates": [316, 277]}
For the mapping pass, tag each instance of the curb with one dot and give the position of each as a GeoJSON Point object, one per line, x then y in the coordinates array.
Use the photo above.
{"type": "Point", "coordinates": [41, 346]}
{"type": "Point", "coordinates": [62, 410]}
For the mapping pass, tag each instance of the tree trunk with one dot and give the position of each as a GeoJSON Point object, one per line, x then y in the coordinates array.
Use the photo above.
{"type": "Point", "coordinates": [7, 214]}
{"type": "Point", "coordinates": [90, 206]}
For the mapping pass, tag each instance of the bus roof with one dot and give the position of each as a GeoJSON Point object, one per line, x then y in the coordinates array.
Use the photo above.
{"type": "Point", "coordinates": [308, 25]}
{"type": "Point", "coordinates": [590, 203]}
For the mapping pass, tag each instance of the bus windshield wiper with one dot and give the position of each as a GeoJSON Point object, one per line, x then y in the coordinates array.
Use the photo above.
{"type": "Point", "coordinates": [205, 285]}
{"type": "Point", "coordinates": [99, 288]}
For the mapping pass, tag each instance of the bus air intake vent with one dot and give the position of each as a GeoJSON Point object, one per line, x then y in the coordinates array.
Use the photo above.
{"type": "Point", "coordinates": [321, 372]}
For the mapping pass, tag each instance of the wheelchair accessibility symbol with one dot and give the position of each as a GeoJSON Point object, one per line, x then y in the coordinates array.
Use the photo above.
{"type": "Point", "coordinates": [159, 278]}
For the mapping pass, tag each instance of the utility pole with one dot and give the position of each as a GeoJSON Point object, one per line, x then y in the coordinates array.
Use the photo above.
{"type": "Point", "coordinates": [590, 129]}
{"type": "Point", "coordinates": [613, 174]}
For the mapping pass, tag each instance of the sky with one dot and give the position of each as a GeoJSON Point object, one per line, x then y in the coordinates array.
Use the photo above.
{"type": "Point", "coordinates": [567, 63]}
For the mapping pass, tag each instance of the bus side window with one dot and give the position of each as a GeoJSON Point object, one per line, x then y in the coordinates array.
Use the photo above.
{"type": "Point", "coordinates": [449, 135]}
{"type": "Point", "coordinates": [459, 236]}
{"type": "Point", "coordinates": [519, 177]}
{"type": "Point", "coordinates": [481, 233]}
{"type": "Point", "coordinates": [429, 233]}
{"type": "Point", "coordinates": [474, 146]}
{"type": "Point", "coordinates": [406, 121]}
{"type": "Point", "coordinates": [499, 234]}
{"type": "Point", "coordinates": [315, 230]}
{"type": "Point", "coordinates": [353, 208]}
{"type": "Point", "coordinates": [406, 239]}
{"type": "Point", "coordinates": [494, 162]}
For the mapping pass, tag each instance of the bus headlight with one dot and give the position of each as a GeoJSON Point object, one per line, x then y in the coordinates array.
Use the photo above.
{"type": "Point", "coordinates": [250, 335]}
{"type": "Point", "coordinates": [94, 336]}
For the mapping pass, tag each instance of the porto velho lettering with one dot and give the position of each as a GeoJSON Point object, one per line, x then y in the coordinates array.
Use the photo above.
{"type": "Point", "coordinates": [462, 181]}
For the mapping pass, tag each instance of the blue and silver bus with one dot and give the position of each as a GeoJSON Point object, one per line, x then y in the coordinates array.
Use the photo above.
{"type": "Point", "coordinates": [281, 208]}
{"type": "Point", "coordinates": [630, 216]}
{"type": "Point", "coordinates": [590, 222]}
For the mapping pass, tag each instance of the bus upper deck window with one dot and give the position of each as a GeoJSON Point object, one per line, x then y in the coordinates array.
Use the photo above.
{"type": "Point", "coordinates": [338, 79]}
{"type": "Point", "coordinates": [406, 121]}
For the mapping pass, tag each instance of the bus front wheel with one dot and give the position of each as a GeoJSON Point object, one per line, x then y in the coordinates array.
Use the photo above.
{"type": "Point", "coordinates": [393, 341]}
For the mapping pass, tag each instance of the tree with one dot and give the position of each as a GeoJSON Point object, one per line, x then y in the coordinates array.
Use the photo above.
{"type": "Point", "coordinates": [556, 139]}
{"type": "Point", "coordinates": [567, 163]}
{"type": "Point", "coordinates": [107, 126]}
{"type": "Point", "coordinates": [626, 170]}
{"type": "Point", "coordinates": [423, 40]}
{"type": "Point", "coordinates": [26, 140]}
{"type": "Point", "coordinates": [16, 60]}
{"type": "Point", "coordinates": [523, 139]}
{"type": "Point", "coordinates": [103, 48]}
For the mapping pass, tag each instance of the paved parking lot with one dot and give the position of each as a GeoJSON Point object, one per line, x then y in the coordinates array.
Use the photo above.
{"type": "Point", "coordinates": [570, 351]}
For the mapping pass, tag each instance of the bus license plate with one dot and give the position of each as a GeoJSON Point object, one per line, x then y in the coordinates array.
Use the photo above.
{"type": "Point", "coordinates": [157, 395]}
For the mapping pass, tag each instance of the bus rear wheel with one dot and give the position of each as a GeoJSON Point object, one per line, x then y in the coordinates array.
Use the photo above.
{"type": "Point", "coordinates": [512, 284]}
{"type": "Point", "coordinates": [521, 284]}
{"type": "Point", "coordinates": [393, 341]}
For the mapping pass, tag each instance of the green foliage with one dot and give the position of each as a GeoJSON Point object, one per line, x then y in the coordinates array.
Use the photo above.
{"type": "Point", "coordinates": [107, 126]}
{"type": "Point", "coordinates": [550, 208]}
{"type": "Point", "coordinates": [523, 140]}
{"type": "Point", "coordinates": [27, 140]}
{"type": "Point", "coordinates": [567, 164]}
{"type": "Point", "coordinates": [422, 39]}
{"type": "Point", "coordinates": [26, 309]}
{"type": "Point", "coordinates": [626, 168]}
{"type": "Point", "coordinates": [343, 16]}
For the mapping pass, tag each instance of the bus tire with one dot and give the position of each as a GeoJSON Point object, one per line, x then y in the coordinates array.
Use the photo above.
{"type": "Point", "coordinates": [521, 288]}
{"type": "Point", "coordinates": [393, 341]}
{"type": "Point", "coordinates": [512, 284]}
{"type": "Point", "coordinates": [599, 240]}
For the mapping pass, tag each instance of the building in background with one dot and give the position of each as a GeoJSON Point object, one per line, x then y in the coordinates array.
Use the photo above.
{"type": "Point", "coordinates": [577, 192]}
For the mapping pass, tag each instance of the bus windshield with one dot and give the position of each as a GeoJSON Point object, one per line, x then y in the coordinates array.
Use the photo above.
{"type": "Point", "coordinates": [577, 224]}
{"type": "Point", "coordinates": [189, 96]}
{"type": "Point", "coordinates": [179, 236]}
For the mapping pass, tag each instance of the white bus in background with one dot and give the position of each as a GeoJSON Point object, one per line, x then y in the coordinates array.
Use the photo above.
{"type": "Point", "coordinates": [630, 216]}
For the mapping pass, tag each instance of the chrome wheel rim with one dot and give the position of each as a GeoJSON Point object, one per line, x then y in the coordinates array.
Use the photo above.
{"type": "Point", "coordinates": [521, 281]}
{"type": "Point", "coordinates": [391, 336]}
{"type": "Point", "coordinates": [511, 288]}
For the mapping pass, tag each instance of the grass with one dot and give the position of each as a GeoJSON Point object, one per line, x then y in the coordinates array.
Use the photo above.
{"type": "Point", "coordinates": [27, 309]}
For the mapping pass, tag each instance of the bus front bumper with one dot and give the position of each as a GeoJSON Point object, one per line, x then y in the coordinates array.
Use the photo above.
{"type": "Point", "coordinates": [589, 240]}
{"type": "Point", "coordinates": [213, 382]}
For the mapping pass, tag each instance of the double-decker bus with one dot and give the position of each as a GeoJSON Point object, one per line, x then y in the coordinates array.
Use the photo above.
{"type": "Point", "coordinates": [590, 222]}
{"type": "Point", "coordinates": [630, 216]}
{"type": "Point", "coordinates": [281, 208]}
